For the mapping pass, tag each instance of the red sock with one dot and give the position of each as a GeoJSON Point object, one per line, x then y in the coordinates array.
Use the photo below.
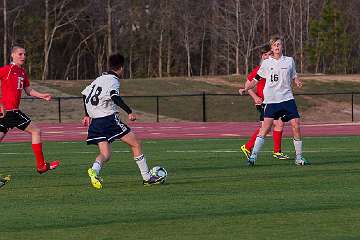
{"type": "Point", "coordinates": [40, 161]}
{"type": "Point", "coordinates": [277, 135]}
{"type": "Point", "coordinates": [250, 144]}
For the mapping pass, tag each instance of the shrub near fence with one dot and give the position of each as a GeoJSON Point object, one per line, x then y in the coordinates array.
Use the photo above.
{"type": "Point", "coordinates": [202, 107]}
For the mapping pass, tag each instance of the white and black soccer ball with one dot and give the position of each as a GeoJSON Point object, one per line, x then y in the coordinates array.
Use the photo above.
{"type": "Point", "coordinates": [159, 172]}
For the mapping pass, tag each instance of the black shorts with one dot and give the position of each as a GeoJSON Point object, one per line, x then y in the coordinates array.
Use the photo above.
{"type": "Point", "coordinates": [12, 119]}
{"type": "Point", "coordinates": [107, 129]}
{"type": "Point", "coordinates": [260, 109]}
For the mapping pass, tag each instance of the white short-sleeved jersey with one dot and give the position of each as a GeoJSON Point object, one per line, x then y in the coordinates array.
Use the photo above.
{"type": "Point", "coordinates": [279, 75]}
{"type": "Point", "coordinates": [98, 99]}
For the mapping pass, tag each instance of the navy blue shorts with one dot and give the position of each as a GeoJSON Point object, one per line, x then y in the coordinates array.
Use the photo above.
{"type": "Point", "coordinates": [285, 110]}
{"type": "Point", "coordinates": [107, 129]}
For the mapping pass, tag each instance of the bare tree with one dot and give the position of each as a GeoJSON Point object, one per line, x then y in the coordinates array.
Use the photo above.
{"type": "Point", "coordinates": [63, 15]}
{"type": "Point", "coordinates": [109, 30]}
{"type": "Point", "coordinates": [5, 32]}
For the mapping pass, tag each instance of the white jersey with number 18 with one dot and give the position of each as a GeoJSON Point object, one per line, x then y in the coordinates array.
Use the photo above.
{"type": "Point", "coordinates": [98, 99]}
{"type": "Point", "coordinates": [279, 75]}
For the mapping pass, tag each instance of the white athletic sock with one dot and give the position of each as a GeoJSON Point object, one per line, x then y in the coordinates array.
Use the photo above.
{"type": "Point", "coordinates": [97, 167]}
{"type": "Point", "coordinates": [143, 167]}
{"type": "Point", "coordinates": [259, 142]}
{"type": "Point", "coordinates": [298, 148]}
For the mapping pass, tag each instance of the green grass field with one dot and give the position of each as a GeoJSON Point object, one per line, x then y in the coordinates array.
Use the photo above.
{"type": "Point", "coordinates": [210, 194]}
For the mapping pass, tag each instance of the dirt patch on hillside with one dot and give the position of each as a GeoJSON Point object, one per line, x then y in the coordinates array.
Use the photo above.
{"type": "Point", "coordinates": [329, 111]}
{"type": "Point", "coordinates": [232, 81]}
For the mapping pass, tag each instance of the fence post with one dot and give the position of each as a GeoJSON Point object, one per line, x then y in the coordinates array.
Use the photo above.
{"type": "Point", "coordinates": [157, 109]}
{"type": "Point", "coordinates": [204, 106]}
{"type": "Point", "coordinates": [352, 107]}
{"type": "Point", "coordinates": [59, 108]}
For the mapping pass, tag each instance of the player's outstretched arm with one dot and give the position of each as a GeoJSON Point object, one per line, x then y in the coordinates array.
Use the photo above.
{"type": "Point", "coordinates": [32, 92]}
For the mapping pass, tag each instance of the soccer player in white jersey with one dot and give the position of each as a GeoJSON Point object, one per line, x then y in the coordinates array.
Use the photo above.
{"type": "Point", "coordinates": [279, 72]}
{"type": "Point", "coordinates": [101, 102]}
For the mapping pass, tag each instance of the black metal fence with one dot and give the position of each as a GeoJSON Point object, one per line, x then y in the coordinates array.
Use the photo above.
{"type": "Point", "coordinates": [205, 107]}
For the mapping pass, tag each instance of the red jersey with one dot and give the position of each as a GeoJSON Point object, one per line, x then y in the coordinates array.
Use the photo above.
{"type": "Point", "coordinates": [261, 83]}
{"type": "Point", "coordinates": [13, 80]}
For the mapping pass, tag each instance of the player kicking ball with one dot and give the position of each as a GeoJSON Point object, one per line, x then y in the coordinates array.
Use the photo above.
{"type": "Point", "coordinates": [101, 102]}
{"type": "Point", "coordinates": [14, 81]}
{"type": "Point", "coordinates": [279, 72]}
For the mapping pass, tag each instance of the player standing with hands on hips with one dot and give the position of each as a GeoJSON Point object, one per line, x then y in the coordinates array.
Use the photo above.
{"type": "Point", "coordinates": [14, 80]}
{"type": "Point", "coordinates": [279, 72]}
{"type": "Point", "coordinates": [101, 102]}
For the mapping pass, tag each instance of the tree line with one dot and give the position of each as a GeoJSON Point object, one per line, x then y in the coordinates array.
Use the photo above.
{"type": "Point", "coordinates": [71, 39]}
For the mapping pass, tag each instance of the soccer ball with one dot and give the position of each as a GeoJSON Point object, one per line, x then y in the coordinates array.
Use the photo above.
{"type": "Point", "coordinates": [159, 172]}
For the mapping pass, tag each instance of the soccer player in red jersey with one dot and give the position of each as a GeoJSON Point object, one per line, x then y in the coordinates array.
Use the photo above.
{"type": "Point", "coordinates": [13, 81]}
{"type": "Point", "coordinates": [258, 98]}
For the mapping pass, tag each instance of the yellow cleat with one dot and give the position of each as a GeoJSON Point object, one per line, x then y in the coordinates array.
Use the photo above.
{"type": "Point", "coordinates": [4, 180]}
{"type": "Point", "coordinates": [281, 156]}
{"type": "Point", "coordinates": [96, 181]}
{"type": "Point", "coordinates": [245, 151]}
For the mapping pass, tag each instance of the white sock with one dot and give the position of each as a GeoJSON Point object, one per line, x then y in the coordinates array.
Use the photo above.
{"type": "Point", "coordinates": [298, 148]}
{"type": "Point", "coordinates": [259, 142]}
{"type": "Point", "coordinates": [97, 167]}
{"type": "Point", "coordinates": [143, 167]}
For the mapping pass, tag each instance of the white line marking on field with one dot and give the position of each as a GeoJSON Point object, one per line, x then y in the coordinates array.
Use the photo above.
{"type": "Point", "coordinates": [237, 151]}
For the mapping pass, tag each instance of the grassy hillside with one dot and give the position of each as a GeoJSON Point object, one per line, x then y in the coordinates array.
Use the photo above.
{"type": "Point", "coordinates": [218, 108]}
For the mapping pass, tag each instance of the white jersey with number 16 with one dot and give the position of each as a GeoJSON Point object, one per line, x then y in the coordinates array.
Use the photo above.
{"type": "Point", "coordinates": [98, 99]}
{"type": "Point", "coordinates": [279, 75]}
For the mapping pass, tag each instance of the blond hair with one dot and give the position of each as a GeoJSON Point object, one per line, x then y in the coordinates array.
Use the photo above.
{"type": "Point", "coordinates": [16, 47]}
{"type": "Point", "coordinates": [274, 39]}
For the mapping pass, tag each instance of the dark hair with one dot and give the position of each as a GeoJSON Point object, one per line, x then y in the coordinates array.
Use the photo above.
{"type": "Point", "coordinates": [116, 61]}
{"type": "Point", "coordinates": [264, 49]}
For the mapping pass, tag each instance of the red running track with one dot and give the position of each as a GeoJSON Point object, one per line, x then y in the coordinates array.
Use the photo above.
{"type": "Point", "coordinates": [183, 130]}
